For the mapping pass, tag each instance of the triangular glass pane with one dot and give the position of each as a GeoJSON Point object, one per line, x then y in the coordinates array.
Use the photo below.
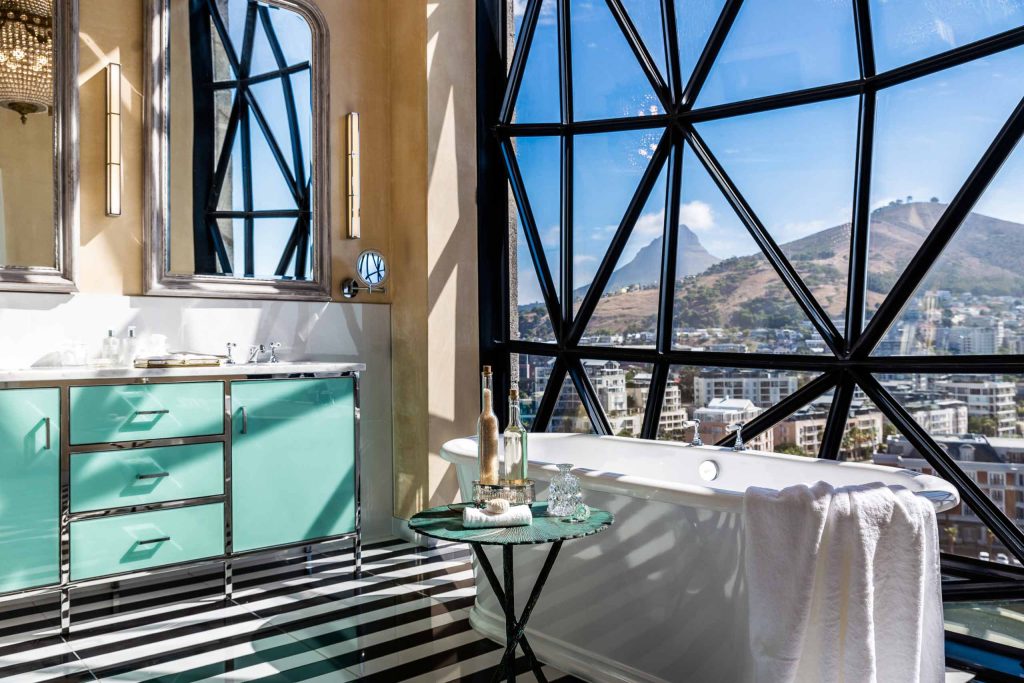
{"type": "Point", "coordinates": [233, 13]}
{"type": "Point", "coordinates": [222, 70]}
{"type": "Point", "coordinates": [973, 419]}
{"type": "Point", "coordinates": [263, 60]}
{"type": "Point", "coordinates": [270, 188]}
{"type": "Point", "coordinates": [801, 432]}
{"type": "Point", "coordinates": [865, 430]}
{"type": "Point", "coordinates": [538, 99]}
{"type": "Point", "coordinates": [795, 167]}
{"type": "Point", "coordinates": [569, 415]}
{"type": "Point", "coordinates": [627, 313]}
{"type": "Point", "coordinates": [998, 621]}
{"type": "Point", "coordinates": [606, 76]}
{"type": "Point", "coordinates": [270, 238]}
{"type": "Point", "coordinates": [532, 375]}
{"type": "Point", "coordinates": [539, 160]}
{"type": "Point", "coordinates": [737, 303]}
{"type": "Point", "coordinates": [969, 303]}
{"type": "Point", "coordinates": [270, 97]}
{"type": "Point", "coordinates": [532, 321]}
{"type": "Point", "coordinates": [293, 34]}
{"type": "Point", "coordinates": [778, 46]}
{"type": "Point", "coordinates": [916, 169]}
{"type": "Point", "coordinates": [907, 31]}
{"type": "Point", "coordinates": [607, 168]}
{"type": "Point", "coordinates": [622, 390]}
{"type": "Point", "coordinates": [646, 17]}
{"type": "Point", "coordinates": [694, 21]}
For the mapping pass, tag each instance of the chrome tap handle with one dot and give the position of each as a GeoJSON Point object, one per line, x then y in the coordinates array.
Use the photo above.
{"type": "Point", "coordinates": [274, 346]}
{"type": "Point", "coordinates": [696, 434]}
{"type": "Point", "coordinates": [231, 353]}
{"type": "Point", "coordinates": [738, 428]}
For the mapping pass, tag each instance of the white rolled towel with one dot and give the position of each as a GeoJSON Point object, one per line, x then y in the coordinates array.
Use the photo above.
{"type": "Point", "coordinates": [517, 515]}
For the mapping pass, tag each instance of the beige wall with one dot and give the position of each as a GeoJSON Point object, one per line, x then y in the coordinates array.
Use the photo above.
{"type": "Point", "coordinates": [408, 67]}
{"type": "Point", "coordinates": [434, 319]}
{"type": "Point", "coordinates": [110, 256]}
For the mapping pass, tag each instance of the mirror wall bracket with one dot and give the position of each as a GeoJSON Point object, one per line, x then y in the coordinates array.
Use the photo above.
{"type": "Point", "coordinates": [354, 202]}
{"type": "Point", "coordinates": [350, 288]}
{"type": "Point", "coordinates": [115, 176]}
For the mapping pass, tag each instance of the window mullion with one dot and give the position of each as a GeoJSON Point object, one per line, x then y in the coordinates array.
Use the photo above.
{"type": "Point", "coordinates": [856, 290]}
{"type": "Point", "coordinates": [515, 75]}
{"type": "Point", "coordinates": [710, 53]}
{"type": "Point", "coordinates": [835, 423]}
{"type": "Point", "coordinates": [643, 56]}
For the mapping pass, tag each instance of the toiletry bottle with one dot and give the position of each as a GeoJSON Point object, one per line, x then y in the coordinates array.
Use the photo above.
{"type": "Point", "coordinates": [129, 348]}
{"type": "Point", "coordinates": [487, 431]}
{"type": "Point", "coordinates": [514, 464]}
{"type": "Point", "coordinates": [111, 348]}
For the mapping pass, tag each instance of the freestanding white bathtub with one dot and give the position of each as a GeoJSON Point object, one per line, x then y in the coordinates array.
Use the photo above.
{"type": "Point", "coordinates": [660, 596]}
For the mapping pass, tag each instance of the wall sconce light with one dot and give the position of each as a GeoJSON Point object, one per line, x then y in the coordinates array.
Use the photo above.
{"type": "Point", "coordinates": [354, 206]}
{"type": "Point", "coordinates": [114, 173]}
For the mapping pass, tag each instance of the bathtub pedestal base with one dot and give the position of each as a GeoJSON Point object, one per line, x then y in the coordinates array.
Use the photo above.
{"type": "Point", "coordinates": [515, 629]}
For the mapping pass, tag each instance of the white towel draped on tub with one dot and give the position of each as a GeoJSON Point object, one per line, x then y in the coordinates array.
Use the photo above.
{"type": "Point", "coordinates": [843, 585]}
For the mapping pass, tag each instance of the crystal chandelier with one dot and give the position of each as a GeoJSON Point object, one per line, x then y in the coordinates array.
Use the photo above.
{"type": "Point", "coordinates": [26, 56]}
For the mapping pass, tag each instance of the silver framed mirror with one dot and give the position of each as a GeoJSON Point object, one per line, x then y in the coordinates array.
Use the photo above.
{"type": "Point", "coordinates": [39, 212]}
{"type": "Point", "coordinates": [238, 177]}
{"type": "Point", "coordinates": [372, 271]}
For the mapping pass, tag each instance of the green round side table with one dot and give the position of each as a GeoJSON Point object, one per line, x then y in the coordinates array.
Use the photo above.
{"type": "Point", "coordinates": [445, 523]}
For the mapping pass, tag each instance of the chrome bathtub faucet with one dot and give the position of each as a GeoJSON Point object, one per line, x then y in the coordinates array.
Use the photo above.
{"type": "Point", "coordinates": [696, 434]}
{"type": "Point", "coordinates": [258, 350]}
{"type": "Point", "coordinates": [738, 428]}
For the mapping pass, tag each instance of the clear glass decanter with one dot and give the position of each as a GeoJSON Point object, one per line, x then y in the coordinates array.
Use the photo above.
{"type": "Point", "coordinates": [564, 492]}
{"type": "Point", "coordinates": [514, 464]}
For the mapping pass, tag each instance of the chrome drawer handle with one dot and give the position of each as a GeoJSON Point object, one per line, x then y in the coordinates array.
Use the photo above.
{"type": "Point", "coordinates": [154, 540]}
{"type": "Point", "coordinates": [155, 475]}
{"type": "Point", "coordinates": [165, 411]}
{"type": "Point", "coordinates": [48, 442]}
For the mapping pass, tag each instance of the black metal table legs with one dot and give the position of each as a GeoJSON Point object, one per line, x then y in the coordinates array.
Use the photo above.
{"type": "Point", "coordinates": [515, 629]}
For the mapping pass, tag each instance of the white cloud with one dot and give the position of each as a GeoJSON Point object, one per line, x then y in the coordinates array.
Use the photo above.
{"type": "Point", "coordinates": [697, 215]}
{"type": "Point", "coordinates": [945, 32]}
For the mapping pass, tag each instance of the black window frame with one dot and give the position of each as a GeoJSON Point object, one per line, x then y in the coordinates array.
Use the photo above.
{"type": "Point", "coordinates": [499, 75]}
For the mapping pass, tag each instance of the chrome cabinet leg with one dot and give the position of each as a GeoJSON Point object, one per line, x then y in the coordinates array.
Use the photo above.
{"type": "Point", "coordinates": [229, 585]}
{"type": "Point", "coordinates": [357, 550]}
{"type": "Point", "coordinates": [65, 613]}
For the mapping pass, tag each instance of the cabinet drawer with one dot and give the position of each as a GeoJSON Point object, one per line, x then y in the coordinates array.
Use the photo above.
{"type": "Point", "coordinates": [110, 479]}
{"type": "Point", "coordinates": [128, 543]}
{"type": "Point", "coordinates": [102, 414]}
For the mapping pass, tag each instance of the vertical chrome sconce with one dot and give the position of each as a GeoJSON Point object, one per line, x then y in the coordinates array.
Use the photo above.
{"type": "Point", "coordinates": [114, 174]}
{"type": "Point", "coordinates": [354, 206]}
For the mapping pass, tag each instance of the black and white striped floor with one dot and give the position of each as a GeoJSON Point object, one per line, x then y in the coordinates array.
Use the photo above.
{"type": "Point", "coordinates": [406, 619]}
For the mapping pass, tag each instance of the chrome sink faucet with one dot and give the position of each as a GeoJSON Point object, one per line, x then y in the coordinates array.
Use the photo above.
{"type": "Point", "coordinates": [256, 351]}
{"type": "Point", "coordinates": [738, 428]}
{"type": "Point", "coordinates": [696, 432]}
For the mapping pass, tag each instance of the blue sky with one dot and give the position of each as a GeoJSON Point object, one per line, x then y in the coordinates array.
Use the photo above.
{"type": "Point", "coordinates": [795, 166]}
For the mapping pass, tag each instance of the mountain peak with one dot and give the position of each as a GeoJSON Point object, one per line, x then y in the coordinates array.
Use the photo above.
{"type": "Point", "coordinates": [645, 268]}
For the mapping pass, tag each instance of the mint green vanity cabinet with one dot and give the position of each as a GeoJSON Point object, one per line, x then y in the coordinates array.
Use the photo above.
{"type": "Point", "coordinates": [29, 488]}
{"type": "Point", "coordinates": [133, 412]}
{"type": "Point", "coordinates": [293, 461]}
{"type": "Point", "coordinates": [140, 476]}
{"type": "Point", "coordinates": [143, 540]}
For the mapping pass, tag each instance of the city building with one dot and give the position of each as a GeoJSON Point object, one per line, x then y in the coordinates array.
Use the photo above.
{"type": "Point", "coordinates": [989, 400]}
{"type": "Point", "coordinates": [763, 387]}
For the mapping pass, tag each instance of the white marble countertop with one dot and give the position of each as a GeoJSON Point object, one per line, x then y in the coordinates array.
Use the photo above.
{"type": "Point", "coordinates": [63, 374]}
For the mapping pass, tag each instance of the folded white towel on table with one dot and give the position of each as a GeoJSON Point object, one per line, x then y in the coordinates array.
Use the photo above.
{"type": "Point", "coordinates": [843, 585]}
{"type": "Point", "coordinates": [517, 515]}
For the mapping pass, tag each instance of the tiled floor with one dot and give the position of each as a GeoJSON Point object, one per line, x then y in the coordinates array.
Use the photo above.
{"type": "Point", "coordinates": [406, 619]}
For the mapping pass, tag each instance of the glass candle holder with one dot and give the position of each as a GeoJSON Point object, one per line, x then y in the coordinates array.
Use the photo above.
{"type": "Point", "coordinates": [564, 492]}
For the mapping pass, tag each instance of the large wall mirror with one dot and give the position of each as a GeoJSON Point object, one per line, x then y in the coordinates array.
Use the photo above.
{"type": "Point", "coordinates": [38, 144]}
{"type": "Point", "coordinates": [239, 179]}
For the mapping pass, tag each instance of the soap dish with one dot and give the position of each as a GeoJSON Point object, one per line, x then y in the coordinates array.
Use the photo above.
{"type": "Point", "coordinates": [516, 493]}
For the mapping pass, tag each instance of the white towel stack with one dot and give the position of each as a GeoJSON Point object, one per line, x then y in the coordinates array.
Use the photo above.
{"type": "Point", "coordinates": [843, 585]}
{"type": "Point", "coordinates": [517, 515]}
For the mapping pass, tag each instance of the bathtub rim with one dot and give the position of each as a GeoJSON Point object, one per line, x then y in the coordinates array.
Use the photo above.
{"type": "Point", "coordinates": [463, 451]}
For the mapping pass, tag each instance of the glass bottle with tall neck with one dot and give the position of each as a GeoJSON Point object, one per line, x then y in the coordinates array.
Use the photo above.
{"type": "Point", "coordinates": [514, 470]}
{"type": "Point", "coordinates": [487, 430]}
